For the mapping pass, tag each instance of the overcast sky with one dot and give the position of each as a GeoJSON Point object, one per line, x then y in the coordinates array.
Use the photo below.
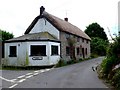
{"type": "Point", "coordinates": [17, 15]}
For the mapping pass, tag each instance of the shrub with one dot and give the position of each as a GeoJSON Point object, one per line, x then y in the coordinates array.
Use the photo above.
{"type": "Point", "coordinates": [116, 79]}
{"type": "Point", "coordinates": [108, 64]}
{"type": "Point", "coordinates": [111, 60]}
{"type": "Point", "coordinates": [93, 55]}
{"type": "Point", "coordinates": [71, 62]}
{"type": "Point", "coordinates": [61, 63]}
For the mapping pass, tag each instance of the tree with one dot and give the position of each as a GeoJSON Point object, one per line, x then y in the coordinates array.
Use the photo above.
{"type": "Point", "coordinates": [99, 40]}
{"type": "Point", "coordinates": [98, 46]}
{"type": "Point", "coordinates": [95, 30]}
{"type": "Point", "coordinates": [5, 35]}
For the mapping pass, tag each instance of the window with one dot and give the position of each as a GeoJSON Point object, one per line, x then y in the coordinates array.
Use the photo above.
{"type": "Point", "coordinates": [86, 51]}
{"type": "Point", "coordinates": [13, 51]}
{"type": "Point", "coordinates": [78, 51]}
{"type": "Point", "coordinates": [87, 41]}
{"type": "Point", "coordinates": [38, 50]}
{"type": "Point", "coordinates": [67, 36]}
{"type": "Point", "coordinates": [78, 39]}
{"type": "Point", "coordinates": [54, 50]}
{"type": "Point", "coordinates": [67, 50]}
{"type": "Point", "coordinates": [82, 39]}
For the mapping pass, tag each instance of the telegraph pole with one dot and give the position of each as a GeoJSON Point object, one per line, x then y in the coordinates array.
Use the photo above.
{"type": "Point", "coordinates": [119, 18]}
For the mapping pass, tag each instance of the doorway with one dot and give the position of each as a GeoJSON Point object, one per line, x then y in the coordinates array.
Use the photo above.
{"type": "Point", "coordinates": [83, 53]}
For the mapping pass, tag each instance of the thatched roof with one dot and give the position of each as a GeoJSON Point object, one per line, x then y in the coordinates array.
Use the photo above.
{"type": "Point", "coordinates": [60, 24]}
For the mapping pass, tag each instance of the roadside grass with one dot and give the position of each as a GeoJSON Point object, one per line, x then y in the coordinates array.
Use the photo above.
{"type": "Point", "coordinates": [62, 62]}
{"type": "Point", "coordinates": [0, 67]}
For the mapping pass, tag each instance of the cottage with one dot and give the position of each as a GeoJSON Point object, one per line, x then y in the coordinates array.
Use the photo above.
{"type": "Point", "coordinates": [46, 40]}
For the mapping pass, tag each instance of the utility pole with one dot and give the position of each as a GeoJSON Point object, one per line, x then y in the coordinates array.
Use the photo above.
{"type": "Point", "coordinates": [119, 18]}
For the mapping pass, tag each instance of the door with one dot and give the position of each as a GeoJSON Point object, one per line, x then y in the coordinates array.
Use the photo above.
{"type": "Point", "coordinates": [83, 53]}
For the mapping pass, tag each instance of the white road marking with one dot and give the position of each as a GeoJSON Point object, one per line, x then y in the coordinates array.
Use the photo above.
{"type": "Point", "coordinates": [29, 76]}
{"type": "Point", "coordinates": [21, 80]}
{"type": "Point", "coordinates": [13, 85]}
{"type": "Point", "coordinates": [29, 73]}
{"type": "Point", "coordinates": [6, 79]}
{"type": "Point", "coordinates": [42, 70]}
{"type": "Point", "coordinates": [13, 80]}
{"type": "Point", "coordinates": [21, 76]}
{"type": "Point", "coordinates": [35, 73]}
{"type": "Point", "coordinates": [47, 69]}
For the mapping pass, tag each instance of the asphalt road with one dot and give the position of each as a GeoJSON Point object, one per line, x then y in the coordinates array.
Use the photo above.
{"type": "Point", "coordinates": [80, 75]}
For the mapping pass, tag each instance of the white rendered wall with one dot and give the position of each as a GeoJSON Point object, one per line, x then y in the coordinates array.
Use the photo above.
{"type": "Point", "coordinates": [48, 59]}
{"type": "Point", "coordinates": [54, 58]}
{"type": "Point", "coordinates": [21, 54]}
{"type": "Point", "coordinates": [44, 26]}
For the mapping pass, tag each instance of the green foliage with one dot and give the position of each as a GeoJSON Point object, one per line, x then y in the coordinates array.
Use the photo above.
{"type": "Point", "coordinates": [5, 35]}
{"type": "Point", "coordinates": [27, 59]}
{"type": "Point", "coordinates": [71, 41]}
{"type": "Point", "coordinates": [98, 46]}
{"type": "Point", "coordinates": [99, 40]}
{"type": "Point", "coordinates": [95, 30]}
{"type": "Point", "coordinates": [112, 59]}
{"type": "Point", "coordinates": [61, 63]}
{"type": "Point", "coordinates": [94, 55]}
{"type": "Point", "coordinates": [71, 62]}
{"type": "Point", "coordinates": [116, 79]}
{"type": "Point", "coordinates": [108, 64]}
{"type": "Point", "coordinates": [114, 48]}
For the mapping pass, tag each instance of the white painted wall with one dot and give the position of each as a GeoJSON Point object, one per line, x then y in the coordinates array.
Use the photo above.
{"type": "Point", "coordinates": [21, 53]}
{"type": "Point", "coordinates": [44, 61]}
{"type": "Point", "coordinates": [44, 26]}
{"type": "Point", "coordinates": [47, 60]}
{"type": "Point", "coordinates": [54, 58]}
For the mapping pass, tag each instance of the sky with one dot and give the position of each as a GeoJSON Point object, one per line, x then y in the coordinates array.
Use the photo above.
{"type": "Point", "coordinates": [17, 15]}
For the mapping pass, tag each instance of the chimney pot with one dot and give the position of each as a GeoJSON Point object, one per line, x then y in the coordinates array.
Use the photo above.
{"type": "Point", "coordinates": [42, 9]}
{"type": "Point", "coordinates": [66, 19]}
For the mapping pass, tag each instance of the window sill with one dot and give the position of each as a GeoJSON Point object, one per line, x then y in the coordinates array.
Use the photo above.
{"type": "Point", "coordinates": [12, 55]}
{"type": "Point", "coordinates": [55, 55]}
{"type": "Point", "coordinates": [37, 56]}
{"type": "Point", "coordinates": [67, 55]}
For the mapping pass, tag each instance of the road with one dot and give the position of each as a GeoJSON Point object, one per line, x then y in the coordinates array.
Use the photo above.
{"type": "Point", "coordinates": [78, 75]}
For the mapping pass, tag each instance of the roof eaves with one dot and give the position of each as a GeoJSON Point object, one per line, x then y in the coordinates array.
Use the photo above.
{"type": "Point", "coordinates": [32, 24]}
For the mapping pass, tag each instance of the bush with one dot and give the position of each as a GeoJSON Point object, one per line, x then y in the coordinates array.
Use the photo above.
{"type": "Point", "coordinates": [112, 59]}
{"type": "Point", "coordinates": [108, 64]}
{"type": "Point", "coordinates": [116, 79]}
{"type": "Point", "coordinates": [71, 62]}
{"type": "Point", "coordinates": [61, 63]}
{"type": "Point", "coordinates": [80, 59]}
{"type": "Point", "coordinates": [93, 55]}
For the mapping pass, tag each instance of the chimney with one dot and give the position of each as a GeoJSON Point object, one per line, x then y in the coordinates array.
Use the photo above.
{"type": "Point", "coordinates": [66, 19]}
{"type": "Point", "coordinates": [42, 9]}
